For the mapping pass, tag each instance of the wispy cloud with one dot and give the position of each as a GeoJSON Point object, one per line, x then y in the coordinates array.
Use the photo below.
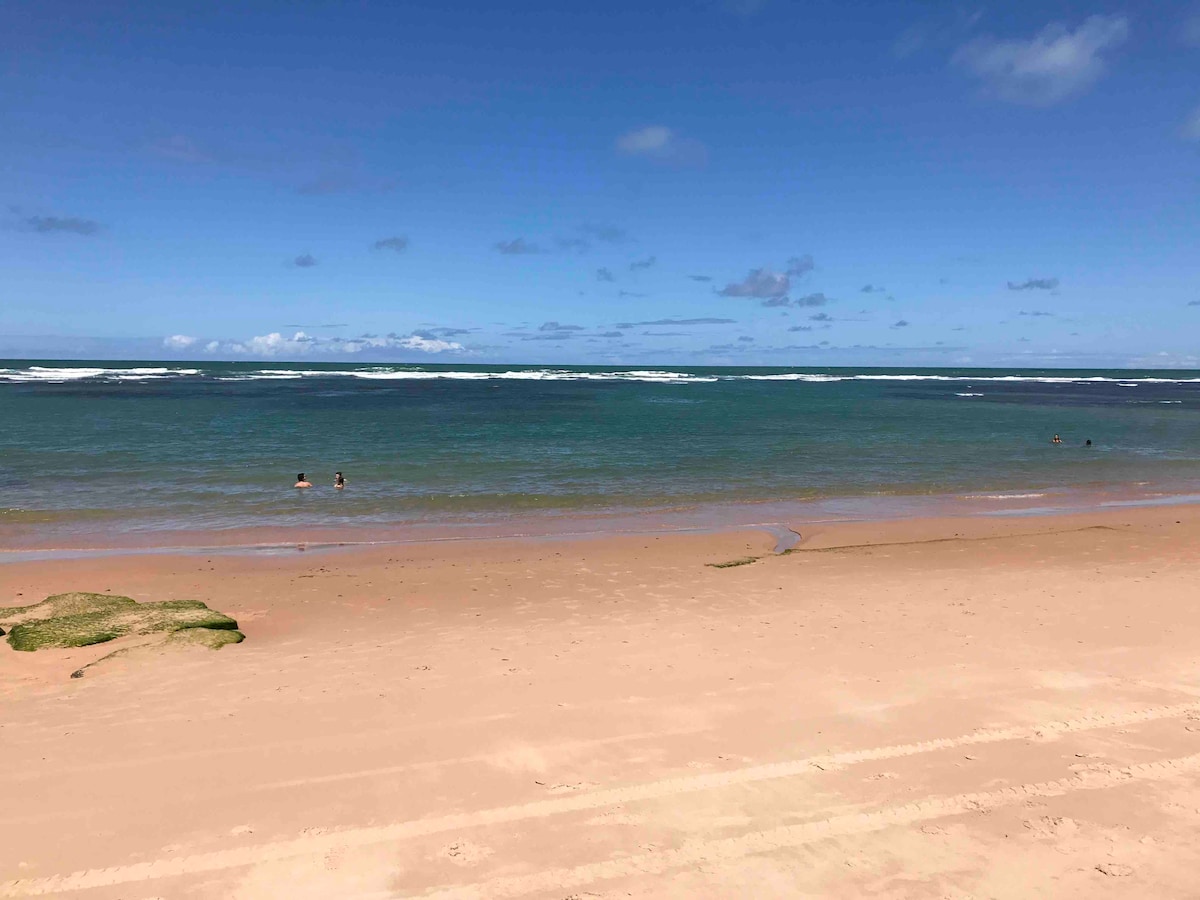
{"type": "Point", "coordinates": [902, 323]}
{"type": "Point", "coordinates": [817, 299]}
{"type": "Point", "coordinates": [662, 144]}
{"type": "Point", "coordinates": [640, 264]}
{"type": "Point", "coordinates": [1035, 313]}
{"type": "Point", "coordinates": [701, 278]}
{"type": "Point", "coordinates": [603, 274]}
{"type": "Point", "coordinates": [1053, 65]}
{"type": "Point", "coordinates": [555, 326]}
{"type": "Point", "coordinates": [578, 244]}
{"type": "Point", "coordinates": [1191, 125]}
{"type": "Point", "coordinates": [518, 246]}
{"type": "Point", "coordinates": [872, 289]}
{"type": "Point", "coordinates": [1034, 284]}
{"type": "Point", "coordinates": [821, 317]}
{"type": "Point", "coordinates": [677, 322]}
{"type": "Point", "coordinates": [936, 33]}
{"type": "Point", "coordinates": [62, 225]}
{"type": "Point", "coordinates": [799, 266]}
{"type": "Point", "coordinates": [1190, 32]}
{"type": "Point", "coordinates": [179, 342]}
{"type": "Point", "coordinates": [304, 261]}
{"type": "Point", "coordinates": [629, 294]}
{"type": "Point", "coordinates": [397, 244]}
{"type": "Point", "coordinates": [324, 185]}
{"type": "Point", "coordinates": [181, 149]}
{"type": "Point", "coordinates": [1194, 303]}
{"type": "Point", "coordinates": [605, 234]}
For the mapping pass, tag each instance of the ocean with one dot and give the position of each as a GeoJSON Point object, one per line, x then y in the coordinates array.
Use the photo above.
{"type": "Point", "coordinates": [137, 447]}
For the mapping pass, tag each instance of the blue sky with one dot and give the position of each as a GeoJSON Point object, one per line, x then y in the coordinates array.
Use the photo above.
{"type": "Point", "coordinates": [691, 182]}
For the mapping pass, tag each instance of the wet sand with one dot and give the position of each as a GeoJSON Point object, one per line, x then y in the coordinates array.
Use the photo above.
{"type": "Point", "coordinates": [989, 707]}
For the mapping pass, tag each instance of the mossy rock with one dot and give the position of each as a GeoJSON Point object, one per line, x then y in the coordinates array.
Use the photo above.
{"type": "Point", "coordinates": [80, 619]}
{"type": "Point", "coordinates": [187, 639]}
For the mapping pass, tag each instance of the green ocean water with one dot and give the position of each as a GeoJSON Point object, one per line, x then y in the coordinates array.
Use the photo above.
{"type": "Point", "coordinates": [142, 446]}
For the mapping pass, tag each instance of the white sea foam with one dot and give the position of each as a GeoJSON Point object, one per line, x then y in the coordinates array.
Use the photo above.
{"type": "Point", "coordinates": [1002, 496]}
{"type": "Point", "coordinates": [62, 374]}
{"type": "Point", "coordinates": [967, 394]}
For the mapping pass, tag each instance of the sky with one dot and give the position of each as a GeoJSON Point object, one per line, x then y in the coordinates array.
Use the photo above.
{"type": "Point", "coordinates": [694, 182]}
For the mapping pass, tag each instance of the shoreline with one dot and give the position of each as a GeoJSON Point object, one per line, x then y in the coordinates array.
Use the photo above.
{"type": "Point", "coordinates": [782, 519]}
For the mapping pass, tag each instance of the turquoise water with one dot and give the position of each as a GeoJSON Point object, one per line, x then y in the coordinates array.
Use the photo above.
{"type": "Point", "coordinates": [140, 446]}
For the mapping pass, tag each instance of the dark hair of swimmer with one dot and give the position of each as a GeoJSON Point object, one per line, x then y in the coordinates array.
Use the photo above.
{"type": "Point", "coordinates": [300, 477]}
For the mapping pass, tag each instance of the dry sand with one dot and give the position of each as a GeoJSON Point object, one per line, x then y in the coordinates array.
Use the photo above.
{"type": "Point", "coordinates": [972, 708]}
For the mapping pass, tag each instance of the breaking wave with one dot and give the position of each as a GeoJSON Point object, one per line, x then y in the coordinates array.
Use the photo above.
{"type": "Point", "coordinates": [68, 374]}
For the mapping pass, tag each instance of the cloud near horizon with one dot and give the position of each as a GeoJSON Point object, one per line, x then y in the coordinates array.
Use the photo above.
{"type": "Point", "coordinates": [304, 261]}
{"type": "Point", "coordinates": [1054, 65]}
{"type": "Point", "coordinates": [677, 322]}
{"type": "Point", "coordinates": [275, 344]}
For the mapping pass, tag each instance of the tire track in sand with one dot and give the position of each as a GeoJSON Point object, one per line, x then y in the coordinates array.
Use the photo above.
{"type": "Point", "coordinates": [791, 836]}
{"type": "Point", "coordinates": [358, 837]}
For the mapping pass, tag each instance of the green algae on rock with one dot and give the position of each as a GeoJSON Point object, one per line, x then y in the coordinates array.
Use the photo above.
{"type": "Point", "coordinates": [79, 619]}
{"type": "Point", "coordinates": [188, 638]}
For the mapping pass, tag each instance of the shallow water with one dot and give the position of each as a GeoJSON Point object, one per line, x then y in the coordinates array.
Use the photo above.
{"type": "Point", "coordinates": [127, 447]}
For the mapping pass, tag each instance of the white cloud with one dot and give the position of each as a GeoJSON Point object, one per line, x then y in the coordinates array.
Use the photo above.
{"type": "Point", "coordinates": [276, 344]}
{"type": "Point", "coordinates": [760, 283]}
{"type": "Point", "coordinates": [1053, 65]}
{"type": "Point", "coordinates": [428, 345]}
{"type": "Point", "coordinates": [651, 139]}
{"type": "Point", "coordinates": [661, 143]}
{"type": "Point", "coordinates": [178, 342]}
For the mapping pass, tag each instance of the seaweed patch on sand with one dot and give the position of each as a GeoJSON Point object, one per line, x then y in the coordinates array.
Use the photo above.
{"type": "Point", "coordinates": [732, 563]}
{"type": "Point", "coordinates": [80, 619]}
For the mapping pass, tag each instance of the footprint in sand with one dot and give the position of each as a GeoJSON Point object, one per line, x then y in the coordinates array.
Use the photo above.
{"type": "Point", "coordinates": [1115, 870]}
{"type": "Point", "coordinates": [1052, 827]}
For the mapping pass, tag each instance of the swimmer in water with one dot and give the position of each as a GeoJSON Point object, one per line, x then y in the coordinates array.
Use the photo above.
{"type": "Point", "coordinates": [1088, 442]}
{"type": "Point", "coordinates": [1056, 440]}
{"type": "Point", "coordinates": [302, 482]}
{"type": "Point", "coordinates": [339, 480]}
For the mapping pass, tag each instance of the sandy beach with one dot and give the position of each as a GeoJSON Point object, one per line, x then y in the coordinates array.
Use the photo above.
{"type": "Point", "coordinates": [945, 708]}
